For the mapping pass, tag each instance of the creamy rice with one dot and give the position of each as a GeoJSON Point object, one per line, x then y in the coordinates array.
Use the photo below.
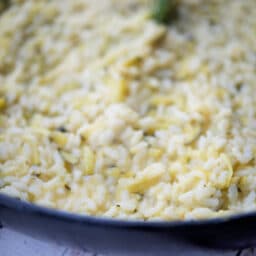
{"type": "Point", "coordinates": [105, 112]}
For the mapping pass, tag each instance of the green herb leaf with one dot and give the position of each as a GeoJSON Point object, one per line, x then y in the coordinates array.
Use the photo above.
{"type": "Point", "coordinates": [4, 4]}
{"type": "Point", "coordinates": [164, 10]}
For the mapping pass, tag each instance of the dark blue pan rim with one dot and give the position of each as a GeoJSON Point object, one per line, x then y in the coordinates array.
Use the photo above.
{"type": "Point", "coordinates": [25, 207]}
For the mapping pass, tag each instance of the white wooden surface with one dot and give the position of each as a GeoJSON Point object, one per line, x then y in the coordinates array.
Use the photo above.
{"type": "Point", "coordinates": [15, 244]}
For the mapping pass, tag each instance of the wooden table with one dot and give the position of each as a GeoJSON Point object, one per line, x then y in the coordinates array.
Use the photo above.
{"type": "Point", "coordinates": [15, 244]}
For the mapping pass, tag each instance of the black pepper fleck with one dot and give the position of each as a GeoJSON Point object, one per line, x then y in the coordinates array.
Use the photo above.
{"type": "Point", "coordinates": [67, 187]}
{"type": "Point", "coordinates": [62, 129]}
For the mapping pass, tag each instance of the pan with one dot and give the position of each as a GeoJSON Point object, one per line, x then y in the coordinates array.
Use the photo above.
{"type": "Point", "coordinates": [106, 235]}
{"type": "Point", "coordinates": [115, 236]}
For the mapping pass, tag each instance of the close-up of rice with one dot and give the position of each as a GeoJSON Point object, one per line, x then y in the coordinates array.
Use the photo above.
{"type": "Point", "coordinates": [104, 111]}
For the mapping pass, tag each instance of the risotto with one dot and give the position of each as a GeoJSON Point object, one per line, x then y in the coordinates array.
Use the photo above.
{"type": "Point", "coordinates": [105, 112]}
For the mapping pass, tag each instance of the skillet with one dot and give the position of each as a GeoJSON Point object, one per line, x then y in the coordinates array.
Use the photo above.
{"type": "Point", "coordinates": [115, 236]}
{"type": "Point", "coordinates": [105, 235]}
